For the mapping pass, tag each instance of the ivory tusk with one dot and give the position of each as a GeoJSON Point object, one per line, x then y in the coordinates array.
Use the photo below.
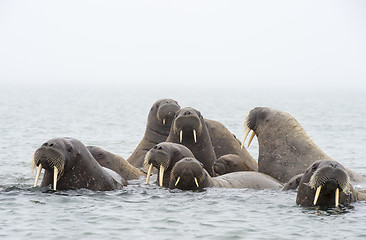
{"type": "Point", "coordinates": [180, 135]}
{"type": "Point", "coordinates": [161, 175]}
{"type": "Point", "coordinates": [195, 135]}
{"type": "Point", "coordinates": [195, 180]}
{"type": "Point", "coordinates": [55, 173]}
{"type": "Point", "coordinates": [149, 173]}
{"type": "Point", "coordinates": [38, 173]}
{"type": "Point", "coordinates": [164, 121]}
{"type": "Point", "coordinates": [317, 194]}
{"type": "Point", "coordinates": [337, 197]}
{"type": "Point", "coordinates": [176, 183]}
{"type": "Point", "coordinates": [251, 138]}
{"type": "Point", "coordinates": [245, 136]}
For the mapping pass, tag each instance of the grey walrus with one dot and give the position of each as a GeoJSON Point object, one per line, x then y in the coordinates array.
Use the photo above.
{"type": "Point", "coordinates": [326, 183]}
{"type": "Point", "coordinates": [157, 129]}
{"type": "Point", "coordinates": [189, 174]}
{"type": "Point", "coordinates": [285, 149]}
{"type": "Point", "coordinates": [163, 156]}
{"type": "Point", "coordinates": [69, 165]}
{"type": "Point", "coordinates": [115, 163]}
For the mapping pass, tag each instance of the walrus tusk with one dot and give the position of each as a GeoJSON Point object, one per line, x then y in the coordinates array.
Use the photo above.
{"type": "Point", "coordinates": [161, 175]}
{"type": "Point", "coordinates": [251, 138]}
{"type": "Point", "coordinates": [317, 194]}
{"type": "Point", "coordinates": [38, 173]}
{"type": "Point", "coordinates": [180, 135]}
{"type": "Point", "coordinates": [164, 121]}
{"type": "Point", "coordinates": [245, 136]}
{"type": "Point", "coordinates": [149, 173]}
{"type": "Point", "coordinates": [195, 180]}
{"type": "Point", "coordinates": [195, 135]}
{"type": "Point", "coordinates": [55, 173]}
{"type": "Point", "coordinates": [176, 183]}
{"type": "Point", "coordinates": [337, 197]}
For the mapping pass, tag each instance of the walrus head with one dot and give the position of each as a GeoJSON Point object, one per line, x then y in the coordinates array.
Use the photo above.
{"type": "Point", "coordinates": [261, 117]}
{"type": "Point", "coordinates": [188, 174]}
{"type": "Point", "coordinates": [159, 157]}
{"type": "Point", "coordinates": [163, 111]}
{"type": "Point", "coordinates": [188, 123]}
{"type": "Point", "coordinates": [325, 183]}
{"type": "Point", "coordinates": [163, 156]}
{"type": "Point", "coordinates": [55, 156]}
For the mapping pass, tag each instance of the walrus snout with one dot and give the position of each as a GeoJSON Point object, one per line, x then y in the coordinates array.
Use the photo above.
{"type": "Point", "coordinates": [166, 111]}
{"type": "Point", "coordinates": [188, 124]}
{"type": "Point", "coordinates": [50, 159]}
{"type": "Point", "coordinates": [187, 173]}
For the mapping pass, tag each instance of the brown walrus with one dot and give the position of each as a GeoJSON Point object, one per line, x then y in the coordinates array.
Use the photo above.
{"type": "Point", "coordinates": [189, 129]}
{"type": "Point", "coordinates": [115, 163]}
{"type": "Point", "coordinates": [163, 156]}
{"type": "Point", "coordinates": [189, 174]}
{"type": "Point", "coordinates": [285, 149]}
{"type": "Point", "coordinates": [326, 183]}
{"type": "Point", "coordinates": [157, 129]}
{"type": "Point", "coordinates": [230, 156]}
{"type": "Point", "coordinates": [69, 165]}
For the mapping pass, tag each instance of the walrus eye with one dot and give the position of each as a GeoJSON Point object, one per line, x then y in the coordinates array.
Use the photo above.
{"type": "Point", "coordinates": [159, 148]}
{"type": "Point", "coordinates": [315, 166]}
{"type": "Point", "coordinates": [99, 153]}
{"type": "Point", "coordinates": [69, 149]}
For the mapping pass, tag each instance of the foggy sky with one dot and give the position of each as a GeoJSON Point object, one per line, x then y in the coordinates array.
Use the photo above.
{"type": "Point", "coordinates": [253, 43]}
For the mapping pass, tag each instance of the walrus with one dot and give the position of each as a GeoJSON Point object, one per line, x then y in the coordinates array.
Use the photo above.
{"type": "Point", "coordinates": [326, 183]}
{"type": "Point", "coordinates": [116, 163]}
{"type": "Point", "coordinates": [293, 183]}
{"type": "Point", "coordinates": [189, 174]}
{"type": "Point", "coordinates": [157, 130]}
{"type": "Point", "coordinates": [163, 156]}
{"type": "Point", "coordinates": [189, 129]}
{"type": "Point", "coordinates": [285, 149]}
{"type": "Point", "coordinates": [230, 156]}
{"type": "Point", "coordinates": [69, 165]}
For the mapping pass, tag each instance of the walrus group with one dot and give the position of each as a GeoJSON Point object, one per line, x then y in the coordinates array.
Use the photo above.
{"type": "Point", "coordinates": [189, 152]}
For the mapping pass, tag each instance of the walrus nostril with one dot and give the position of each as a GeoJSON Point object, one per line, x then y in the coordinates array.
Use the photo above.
{"type": "Point", "coordinates": [51, 145]}
{"type": "Point", "coordinates": [187, 113]}
{"type": "Point", "coordinates": [160, 147]}
{"type": "Point", "coordinates": [155, 147]}
{"type": "Point", "coordinates": [45, 144]}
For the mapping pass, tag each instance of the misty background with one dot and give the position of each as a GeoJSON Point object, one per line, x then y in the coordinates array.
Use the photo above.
{"type": "Point", "coordinates": [221, 43]}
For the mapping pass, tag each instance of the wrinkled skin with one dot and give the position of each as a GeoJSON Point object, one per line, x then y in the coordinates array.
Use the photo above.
{"type": "Point", "coordinates": [77, 167]}
{"type": "Point", "coordinates": [115, 163]}
{"type": "Point", "coordinates": [185, 122]}
{"type": "Point", "coordinates": [330, 175]}
{"type": "Point", "coordinates": [230, 156]}
{"type": "Point", "coordinates": [166, 154]}
{"type": "Point", "coordinates": [285, 149]}
{"type": "Point", "coordinates": [157, 129]}
{"type": "Point", "coordinates": [189, 174]}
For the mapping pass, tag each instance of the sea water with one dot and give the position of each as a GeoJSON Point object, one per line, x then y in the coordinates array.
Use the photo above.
{"type": "Point", "coordinates": [114, 118]}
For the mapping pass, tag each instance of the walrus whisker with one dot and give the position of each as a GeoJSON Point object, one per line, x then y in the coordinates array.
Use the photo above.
{"type": "Point", "coordinates": [37, 175]}
{"type": "Point", "coordinates": [149, 173]}
{"type": "Point", "coordinates": [251, 138]}
{"type": "Point", "coordinates": [317, 194]}
{"type": "Point", "coordinates": [55, 173]}
{"type": "Point", "coordinates": [194, 135]}
{"type": "Point", "coordinates": [161, 175]}
{"type": "Point", "coordinates": [176, 183]}
{"type": "Point", "coordinates": [337, 197]}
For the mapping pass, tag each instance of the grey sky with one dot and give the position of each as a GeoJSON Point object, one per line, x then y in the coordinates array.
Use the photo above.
{"type": "Point", "coordinates": [251, 42]}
